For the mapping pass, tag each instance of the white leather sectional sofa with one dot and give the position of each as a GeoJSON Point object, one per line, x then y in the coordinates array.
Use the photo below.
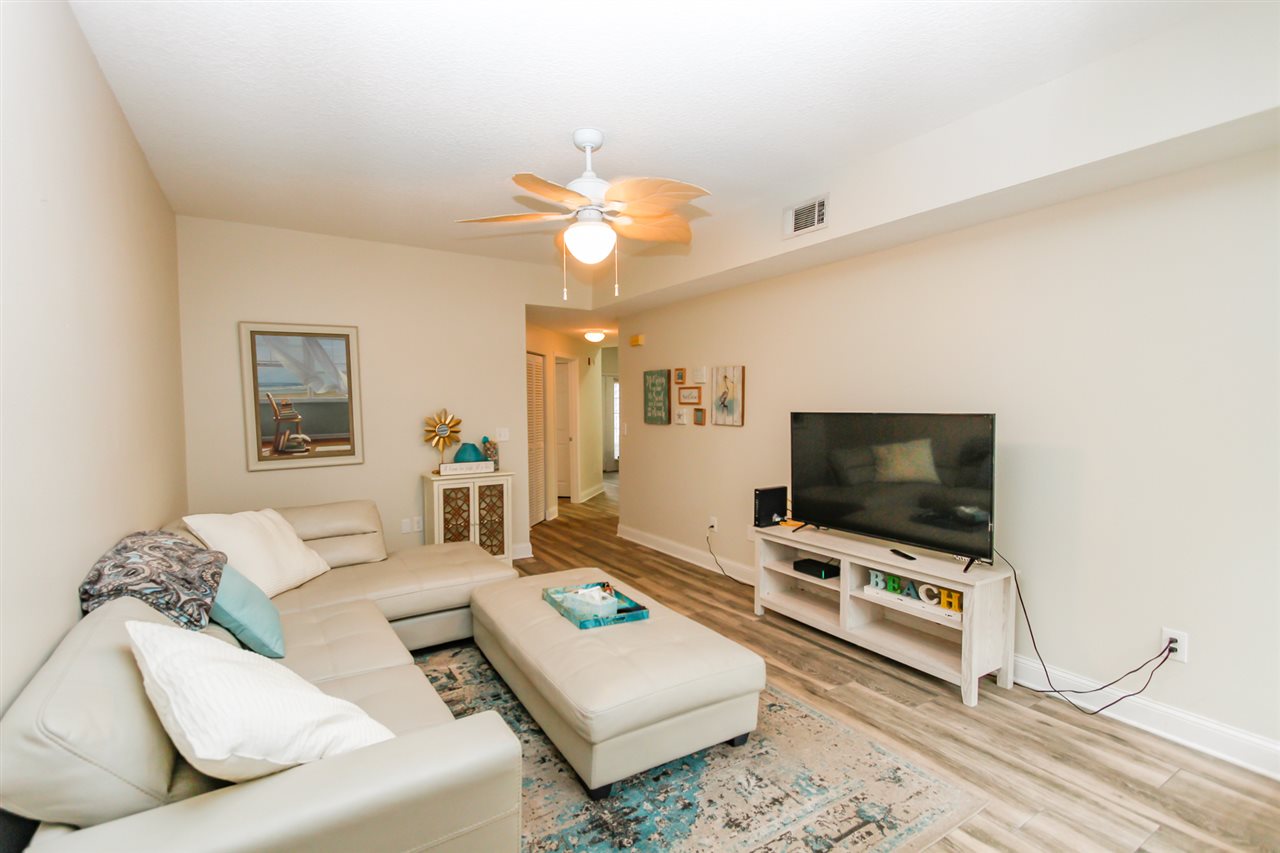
{"type": "Point", "coordinates": [82, 750]}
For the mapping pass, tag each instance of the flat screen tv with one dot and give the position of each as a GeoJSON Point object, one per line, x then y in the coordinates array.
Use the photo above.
{"type": "Point", "coordinates": [919, 479]}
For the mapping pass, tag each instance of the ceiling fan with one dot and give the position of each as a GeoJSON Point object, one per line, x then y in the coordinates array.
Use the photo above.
{"type": "Point", "coordinates": [636, 208]}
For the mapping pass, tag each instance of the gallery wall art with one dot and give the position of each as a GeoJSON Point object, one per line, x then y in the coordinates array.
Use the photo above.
{"type": "Point", "coordinates": [727, 395]}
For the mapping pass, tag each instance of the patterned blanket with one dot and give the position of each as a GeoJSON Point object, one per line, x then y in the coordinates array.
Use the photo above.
{"type": "Point", "coordinates": [172, 574]}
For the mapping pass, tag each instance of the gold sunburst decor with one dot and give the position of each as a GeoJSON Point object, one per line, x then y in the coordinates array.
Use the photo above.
{"type": "Point", "coordinates": [442, 431]}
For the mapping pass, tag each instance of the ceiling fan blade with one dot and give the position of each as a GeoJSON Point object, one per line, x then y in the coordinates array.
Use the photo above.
{"type": "Point", "coordinates": [550, 191]}
{"type": "Point", "coordinates": [521, 217]}
{"type": "Point", "coordinates": [651, 196]}
{"type": "Point", "coordinates": [669, 228]}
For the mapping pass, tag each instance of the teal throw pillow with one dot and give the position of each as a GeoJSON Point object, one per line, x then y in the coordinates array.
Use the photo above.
{"type": "Point", "coordinates": [244, 610]}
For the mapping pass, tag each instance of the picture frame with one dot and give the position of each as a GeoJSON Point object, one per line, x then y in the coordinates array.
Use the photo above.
{"type": "Point", "coordinates": [689, 395]}
{"type": "Point", "coordinates": [699, 417]}
{"type": "Point", "coordinates": [679, 376]}
{"type": "Point", "coordinates": [728, 395]}
{"type": "Point", "coordinates": [657, 396]}
{"type": "Point", "coordinates": [682, 417]}
{"type": "Point", "coordinates": [301, 395]}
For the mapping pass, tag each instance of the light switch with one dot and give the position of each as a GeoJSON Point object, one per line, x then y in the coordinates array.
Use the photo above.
{"type": "Point", "coordinates": [502, 434]}
{"type": "Point", "coordinates": [406, 525]}
{"type": "Point", "coordinates": [417, 524]}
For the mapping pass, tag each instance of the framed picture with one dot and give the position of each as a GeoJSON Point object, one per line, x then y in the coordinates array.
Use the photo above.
{"type": "Point", "coordinates": [301, 387]}
{"type": "Point", "coordinates": [727, 386]}
{"type": "Point", "coordinates": [699, 417]}
{"type": "Point", "coordinates": [690, 395]}
{"type": "Point", "coordinates": [680, 374]}
{"type": "Point", "coordinates": [682, 417]}
{"type": "Point", "coordinates": [657, 396]}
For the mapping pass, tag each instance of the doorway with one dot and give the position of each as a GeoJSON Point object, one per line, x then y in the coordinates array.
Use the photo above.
{"type": "Point", "coordinates": [566, 428]}
{"type": "Point", "coordinates": [535, 392]}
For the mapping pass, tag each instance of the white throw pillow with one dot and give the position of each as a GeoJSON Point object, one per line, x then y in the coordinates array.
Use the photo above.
{"type": "Point", "coordinates": [236, 715]}
{"type": "Point", "coordinates": [906, 462]}
{"type": "Point", "coordinates": [262, 546]}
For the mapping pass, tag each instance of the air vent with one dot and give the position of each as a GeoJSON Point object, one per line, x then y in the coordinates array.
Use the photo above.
{"type": "Point", "coordinates": [805, 217]}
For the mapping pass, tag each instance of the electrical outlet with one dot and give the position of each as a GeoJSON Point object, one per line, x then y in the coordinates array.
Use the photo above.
{"type": "Point", "coordinates": [417, 524]}
{"type": "Point", "coordinates": [713, 525]}
{"type": "Point", "coordinates": [502, 434]}
{"type": "Point", "coordinates": [406, 525]}
{"type": "Point", "coordinates": [1180, 640]}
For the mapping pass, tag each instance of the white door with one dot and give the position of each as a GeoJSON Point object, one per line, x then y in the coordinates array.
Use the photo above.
{"type": "Point", "coordinates": [563, 446]}
{"type": "Point", "coordinates": [534, 389]}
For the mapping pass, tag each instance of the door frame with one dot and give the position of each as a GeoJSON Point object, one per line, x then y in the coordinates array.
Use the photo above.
{"type": "Point", "coordinates": [572, 394]}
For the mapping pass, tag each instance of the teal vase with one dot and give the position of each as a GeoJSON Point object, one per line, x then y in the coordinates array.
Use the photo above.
{"type": "Point", "coordinates": [468, 453]}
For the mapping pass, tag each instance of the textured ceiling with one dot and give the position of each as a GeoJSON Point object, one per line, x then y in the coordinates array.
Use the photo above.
{"type": "Point", "coordinates": [387, 121]}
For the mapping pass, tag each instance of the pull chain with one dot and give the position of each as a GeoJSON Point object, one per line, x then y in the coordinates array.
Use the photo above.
{"type": "Point", "coordinates": [615, 269]}
{"type": "Point", "coordinates": [564, 269]}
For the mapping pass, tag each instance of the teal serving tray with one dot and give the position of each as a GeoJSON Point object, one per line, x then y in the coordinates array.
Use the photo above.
{"type": "Point", "coordinates": [555, 597]}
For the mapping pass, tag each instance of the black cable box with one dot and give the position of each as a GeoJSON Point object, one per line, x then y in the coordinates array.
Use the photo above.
{"type": "Point", "coordinates": [817, 568]}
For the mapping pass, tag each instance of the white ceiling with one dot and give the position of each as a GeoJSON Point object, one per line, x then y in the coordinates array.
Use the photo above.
{"type": "Point", "coordinates": [387, 121]}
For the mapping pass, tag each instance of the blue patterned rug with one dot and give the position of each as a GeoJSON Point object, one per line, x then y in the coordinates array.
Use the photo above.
{"type": "Point", "coordinates": [803, 782]}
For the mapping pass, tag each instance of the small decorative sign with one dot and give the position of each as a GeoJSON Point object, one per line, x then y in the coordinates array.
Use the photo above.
{"type": "Point", "coordinates": [657, 396]}
{"type": "Point", "coordinates": [938, 596]}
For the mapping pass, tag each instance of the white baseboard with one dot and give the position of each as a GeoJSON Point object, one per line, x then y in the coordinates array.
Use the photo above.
{"type": "Point", "coordinates": [590, 493]}
{"type": "Point", "coordinates": [521, 551]}
{"type": "Point", "coordinates": [1248, 750]}
{"type": "Point", "coordinates": [700, 557]}
{"type": "Point", "coordinates": [553, 513]}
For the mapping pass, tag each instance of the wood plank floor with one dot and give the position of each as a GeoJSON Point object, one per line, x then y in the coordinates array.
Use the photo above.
{"type": "Point", "coordinates": [1054, 779]}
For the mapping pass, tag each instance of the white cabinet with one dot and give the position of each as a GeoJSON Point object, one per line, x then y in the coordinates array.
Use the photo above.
{"type": "Point", "coordinates": [959, 646]}
{"type": "Point", "coordinates": [471, 508]}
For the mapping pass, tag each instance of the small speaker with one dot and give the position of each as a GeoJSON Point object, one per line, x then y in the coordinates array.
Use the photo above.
{"type": "Point", "coordinates": [771, 506]}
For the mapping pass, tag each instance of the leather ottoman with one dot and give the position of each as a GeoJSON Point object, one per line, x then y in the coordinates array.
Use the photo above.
{"type": "Point", "coordinates": [623, 698]}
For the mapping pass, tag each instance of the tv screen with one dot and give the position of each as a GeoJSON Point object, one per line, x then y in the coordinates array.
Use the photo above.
{"type": "Point", "coordinates": [919, 479]}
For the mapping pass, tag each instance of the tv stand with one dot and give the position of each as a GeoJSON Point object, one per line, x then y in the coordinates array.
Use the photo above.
{"type": "Point", "coordinates": [959, 647]}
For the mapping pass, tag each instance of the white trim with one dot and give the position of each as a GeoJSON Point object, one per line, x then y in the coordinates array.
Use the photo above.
{"type": "Point", "coordinates": [552, 513]}
{"type": "Point", "coordinates": [1246, 749]}
{"type": "Point", "coordinates": [521, 551]}
{"type": "Point", "coordinates": [698, 557]}
{"type": "Point", "coordinates": [590, 493]}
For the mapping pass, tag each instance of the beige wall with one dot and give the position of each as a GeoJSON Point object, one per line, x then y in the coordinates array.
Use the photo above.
{"type": "Point", "coordinates": [1127, 342]}
{"type": "Point", "coordinates": [436, 330]}
{"type": "Point", "coordinates": [92, 407]}
{"type": "Point", "coordinates": [552, 345]}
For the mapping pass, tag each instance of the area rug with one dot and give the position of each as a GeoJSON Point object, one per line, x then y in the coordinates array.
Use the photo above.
{"type": "Point", "coordinates": [803, 782]}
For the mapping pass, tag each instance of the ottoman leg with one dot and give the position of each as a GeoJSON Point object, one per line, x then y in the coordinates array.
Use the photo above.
{"type": "Point", "coordinates": [740, 740]}
{"type": "Point", "coordinates": [597, 794]}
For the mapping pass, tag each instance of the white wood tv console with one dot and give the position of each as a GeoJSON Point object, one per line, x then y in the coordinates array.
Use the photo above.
{"type": "Point", "coordinates": [956, 647]}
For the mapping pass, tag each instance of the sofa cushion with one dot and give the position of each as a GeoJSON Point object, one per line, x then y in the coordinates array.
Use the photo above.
{"type": "Point", "coordinates": [235, 715]}
{"type": "Point", "coordinates": [262, 546]}
{"type": "Point", "coordinates": [344, 534]}
{"type": "Point", "coordinates": [340, 640]}
{"type": "Point", "coordinates": [399, 697]}
{"type": "Point", "coordinates": [246, 612]}
{"type": "Point", "coordinates": [608, 681]}
{"type": "Point", "coordinates": [413, 582]}
{"type": "Point", "coordinates": [81, 744]}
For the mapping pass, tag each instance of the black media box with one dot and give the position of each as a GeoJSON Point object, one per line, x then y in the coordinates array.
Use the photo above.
{"type": "Point", "coordinates": [817, 568]}
{"type": "Point", "coordinates": [770, 506]}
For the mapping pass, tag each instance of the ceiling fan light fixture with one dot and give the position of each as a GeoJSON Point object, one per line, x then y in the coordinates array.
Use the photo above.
{"type": "Point", "coordinates": [590, 242]}
{"type": "Point", "coordinates": [595, 336]}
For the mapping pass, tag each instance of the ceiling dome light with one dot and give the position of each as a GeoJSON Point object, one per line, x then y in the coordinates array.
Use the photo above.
{"type": "Point", "coordinates": [590, 241]}
{"type": "Point", "coordinates": [595, 336]}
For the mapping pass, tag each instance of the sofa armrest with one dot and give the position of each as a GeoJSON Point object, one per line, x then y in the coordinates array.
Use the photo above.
{"type": "Point", "coordinates": [454, 786]}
